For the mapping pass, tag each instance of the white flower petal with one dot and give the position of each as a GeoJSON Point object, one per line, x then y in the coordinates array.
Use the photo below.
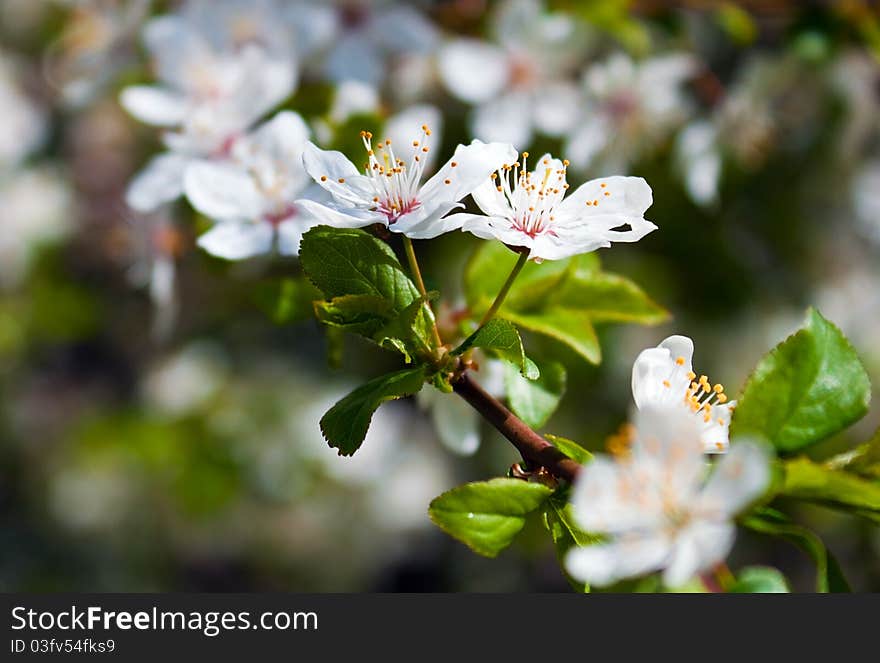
{"type": "Point", "coordinates": [402, 29]}
{"type": "Point", "coordinates": [457, 424]}
{"type": "Point", "coordinates": [556, 108]}
{"type": "Point", "coordinates": [474, 71]}
{"type": "Point", "coordinates": [355, 57]}
{"type": "Point", "coordinates": [492, 201]}
{"type": "Point", "coordinates": [154, 105]}
{"type": "Point", "coordinates": [318, 213]}
{"type": "Point", "coordinates": [335, 173]}
{"type": "Point", "coordinates": [159, 182]}
{"type": "Point", "coordinates": [474, 164]}
{"type": "Point", "coordinates": [698, 548]}
{"type": "Point", "coordinates": [418, 225]}
{"type": "Point", "coordinates": [604, 563]}
{"type": "Point", "coordinates": [405, 127]}
{"type": "Point", "coordinates": [289, 235]}
{"type": "Point", "coordinates": [739, 478]}
{"type": "Point", "coordinates": [222, 191]}
{"type": "Point", "coordinates": [506, 118]}
{"type": "Point", "coordinates": [237, 240]}
{"type": "Point", "coordinates": [590, 214]}
{"type": "Point", "coordinates": [589, 138]}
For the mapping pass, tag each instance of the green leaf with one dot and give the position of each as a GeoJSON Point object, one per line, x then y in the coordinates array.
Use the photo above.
{"type": "Point", "coordinates": [487, 515]}
{"type": "Point", "coordinates": [864, 460]}
{"type": "Point", "coordinates": [808, 387]}
{"type": "Point", "coordinates": [810, 481]}
{"type": "Point", "coordinates": [410, 332]}
{"type": "Point", "coordinates": [570, 448]}
{"type": "Point", "coordinates": [501, 338]}
{"type": "Point", "coordinates": [345, 424]}
{"type": "Point", "coordinates": [559, 521]}
{"type": "Point", "coordinates": [286, 300]}
{"type": "Point", "coordinates": [829, 576]}
{"type": "Point", "coordinates": [352, 262]}
{"type": "Point", "coordinates": [361, 314]}
{"type": "Point", "coordinates": [534, 401]}
{"type": "Point", "coordinates": [570, 327]}
{"type": "Point", "coordinates": [760, 580]}
{"type": "Point", "coordinates": [609, 297]}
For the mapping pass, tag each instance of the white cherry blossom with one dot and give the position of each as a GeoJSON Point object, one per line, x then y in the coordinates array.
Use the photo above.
{"type": "Point", "coordinates": [628, 108]}
{"type": "Point", "coordinates": [530, 209]}
{"type": "Point", "coordinates": [210, 95]}
{"type": "Point", "coordinates": [656, 506]}
{"type": "Point", "coordinates": [663, 377]}
{"type": "Point", "coordinates": [524, 80]}
{"type": "Point", "coordinates": [390, 190]}
{"type": "Point", "coordinates": [252, 194]}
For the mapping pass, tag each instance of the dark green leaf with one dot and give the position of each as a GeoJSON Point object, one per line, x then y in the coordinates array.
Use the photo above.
{"type": "Point", "coordinates": [829, 577]}
{"type": "Point", "coordinates": [570, 448]}
{"type": "Point", "coordinates": [343, 261]}
{"type": "Point", "coordinates": [807, 480]}
{"type": "Point", "coordinates": [534, 401]}
{"type": "Point", "coordinates": [410, 332]}
{"type": "Point", "coordinates": [487, 515]}
{"type": "Point", "coordinates": [360, 314]}
{"type": "Point", "coordinates": [500, 337]}
{"type": "Point", "coordinates": [345, 424]}
{"type": "Point", "coordinates": [810, 386]}
{"type": "Point", "coordinates": [760, 580]}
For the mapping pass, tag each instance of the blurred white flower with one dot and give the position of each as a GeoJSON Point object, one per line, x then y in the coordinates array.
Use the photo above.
{"type": "Point", "coordinates": [628, 108]}
{"type": "Point", "coordinates": [663, 377]}
{"type": "Point", "coordinates": [391, 190]}
{"type": "Point", "coordinates": [24, 122]}
{"type": "Point", "coordinates": [866, 198]}
{"type": "Point", "coordinates": [251, 195]}
{"type": "Point", "coordinates": [656, 506]}
{"type": "Point", "coordinates": [212, 96]}
{"type": "Point", "coordinates": [369, 35]}
{"type": "Point", "coordinates": [36, 210]}
{"type": "Point", "coordinates": [94, 47]}
{"type": "Point", "coordinates": [698, 157]}
{"type": "Point", "coordinates": [530, 209]}
{"type": "Point", "coordinates": [525, 80]}
{"type": "Point", "coordinates": [456, 423]}
{"type": "Point", "coordinates": [185, 381]}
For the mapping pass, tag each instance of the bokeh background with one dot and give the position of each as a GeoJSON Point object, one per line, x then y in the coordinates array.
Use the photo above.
{"type": "Point", "coordinates": [158, 431]}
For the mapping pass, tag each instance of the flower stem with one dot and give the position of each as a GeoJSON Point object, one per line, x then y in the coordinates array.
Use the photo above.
{"type": "Point", "coordinates": [502, 294]}
{"type": "Point", "coordinates": [420, 283]}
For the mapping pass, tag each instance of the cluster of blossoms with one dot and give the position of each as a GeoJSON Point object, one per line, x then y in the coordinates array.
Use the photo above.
{"type": "Point", "coordinates": [652, 499]}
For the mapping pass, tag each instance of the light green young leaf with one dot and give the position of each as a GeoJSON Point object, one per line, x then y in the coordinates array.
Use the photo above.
{"type": "Point", "coordinates": [807, 480]}
{"type": "Point", "coordinates": [864, 460]}
{"type": "Point", "coordinates": [487, 515]}
{"type": "Point", "coordinates": [410, 332]}
{"type": "Point", "coordinates": [534, 401]}
{"type": "Point", "coordinates": [343, 261]}
{"type": "Point", "coordinates": [760, 580]}
{"type": "Point", "coordinates": [570, 327]}
{"type": "Point", "coordinates": [607, 297]}
{"type": "Point", "coordinates": [808, 387]}
{"type": "Point", "coordinates": [501, 338]}
{"type": "Point", "coordinates": [829, 576]}
{"type": "Point", "coordinates": [345, 424]}
{"type": "Point", "coordinates": [360, 314]}
{"type": "Point", "coordinates": [570, 448]}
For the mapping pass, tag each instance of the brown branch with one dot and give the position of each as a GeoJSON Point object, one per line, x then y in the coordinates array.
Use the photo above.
{"type": "Point", "coordinates": [532, 446]}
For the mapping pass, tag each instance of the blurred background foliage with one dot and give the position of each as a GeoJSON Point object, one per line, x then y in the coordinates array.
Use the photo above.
{"type": "Point", "coordinates": [171, 443]}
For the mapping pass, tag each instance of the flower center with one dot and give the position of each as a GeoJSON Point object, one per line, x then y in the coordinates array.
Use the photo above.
{"type": "Point", "coordinates": [532, 196]}
{"type": "Point", "coordinates": [395, 182]}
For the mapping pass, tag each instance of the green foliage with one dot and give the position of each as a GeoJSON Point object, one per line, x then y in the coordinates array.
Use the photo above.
{"type": "Point", "coordinates": [570, 448]}
{"type": "Point", "coordinates": [345, 424]}
{"type": "Point", "coordinates": [534, 401]}
{"type": "Point", "coordinates": [487, 515]}
{"type": "Point", "coordinates": [560, 299]}
{"type": "Point", "coordinates": [829, 577]}
{"type": "Point", "coordinates": [361, 314]}
{"type": "Point", "coordinates": [808, 387]}
{"type": "Point", "coordinates": [864, 460]}
{"type": "Point", "coordinates": [286, 300]}
{"type": "Point", "coordinates": [501, 338]}
{"type": "Point", "coordinates": [344, 262]}
{"type": "Point", "coordinates": [810, 481]}
{"type": "Point", "coordinates": [760, 580]}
